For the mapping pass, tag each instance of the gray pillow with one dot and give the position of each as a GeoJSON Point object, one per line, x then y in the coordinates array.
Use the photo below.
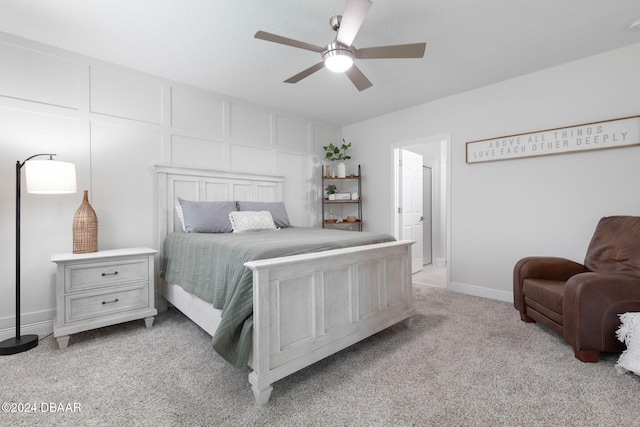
{"type": "Point", "coordinates": [277, 209]}
{"type": "Point", "coordinates": [206, 217]}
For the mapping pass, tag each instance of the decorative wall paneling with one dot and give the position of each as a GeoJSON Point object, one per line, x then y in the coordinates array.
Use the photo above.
{"type": "Point", "coordinates": [115, 124]}
{"type": "Point", "coordinates": [38, 76]}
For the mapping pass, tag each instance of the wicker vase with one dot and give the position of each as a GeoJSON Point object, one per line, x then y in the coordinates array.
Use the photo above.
{"type": "Point", "coordinates": [85, 228]}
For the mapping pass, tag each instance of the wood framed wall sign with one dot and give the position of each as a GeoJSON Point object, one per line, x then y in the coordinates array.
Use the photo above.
{"type": "Point", "coordinates": [614, 133]}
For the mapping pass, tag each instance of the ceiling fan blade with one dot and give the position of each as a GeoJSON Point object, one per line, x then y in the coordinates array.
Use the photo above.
{"type": "Point", "coordinates": [358, 78]}
{"type": "Point", "coordinates": [352, 18]}
{"type": "Point", "coordinates": [263, 35]}
{"type": "Point", "coordinates": [306, 73]}
{"type": "Point", "coordinates": [414, 50]}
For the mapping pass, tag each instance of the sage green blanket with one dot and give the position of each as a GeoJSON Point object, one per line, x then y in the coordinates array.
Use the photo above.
{"type": "Point", "coordinates": [211, 266]}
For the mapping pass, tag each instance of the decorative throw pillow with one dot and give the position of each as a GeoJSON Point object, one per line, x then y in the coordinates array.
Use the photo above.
{"type": "Point", "coordinates": [242, 221]}
{"type": "Point", "coordinates": [629, 334]}
{"type": "Point", "coordinates": [206, 217]}
{"type": "Point", "coordinates": [277, 210]}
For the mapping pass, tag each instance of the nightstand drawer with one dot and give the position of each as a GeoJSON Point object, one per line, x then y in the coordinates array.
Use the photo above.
{"type": "Point", "coordinates": [95, 304]}
{"type": "Point", "coordinates": [97, 275]}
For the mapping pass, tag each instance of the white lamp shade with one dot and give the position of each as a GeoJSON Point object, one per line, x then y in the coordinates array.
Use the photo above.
{"type": "Point", "coordinates": [50, 177]}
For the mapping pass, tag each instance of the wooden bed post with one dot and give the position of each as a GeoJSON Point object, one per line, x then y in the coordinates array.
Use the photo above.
{"type": "Point", "coordinates": [260, 386]}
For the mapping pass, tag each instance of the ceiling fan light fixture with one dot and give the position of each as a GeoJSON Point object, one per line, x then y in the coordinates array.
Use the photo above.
{"type": "Point", "coordinates": [337, 58]}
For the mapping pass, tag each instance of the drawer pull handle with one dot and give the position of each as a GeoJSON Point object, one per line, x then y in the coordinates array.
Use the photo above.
{"type": "Point", "coordinates": [110, 274]}
{"type": "Point", "coordinates": [109, 302]}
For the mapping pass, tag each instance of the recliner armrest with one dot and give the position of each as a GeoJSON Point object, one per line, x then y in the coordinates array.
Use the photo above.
{"type": "Point", "coordinates": [591, 304]}
{"type": "Point", "coordinates": [538, 267]}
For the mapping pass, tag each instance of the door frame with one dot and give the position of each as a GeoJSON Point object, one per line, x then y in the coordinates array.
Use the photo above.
{"type": "Point", "coordinates": [396, 194]}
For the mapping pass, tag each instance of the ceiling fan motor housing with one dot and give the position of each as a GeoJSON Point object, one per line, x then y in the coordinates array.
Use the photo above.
{"type": "Point", "coordinates": [337, 48]}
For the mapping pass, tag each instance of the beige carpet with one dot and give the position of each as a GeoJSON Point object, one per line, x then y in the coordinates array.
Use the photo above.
{"type": "Point", "coordinates": [467, 361]}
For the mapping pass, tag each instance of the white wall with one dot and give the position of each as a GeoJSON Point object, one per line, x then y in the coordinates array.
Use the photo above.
{"type": "Point", "coordinates": [116, 124]}
{"type": "Point", "coordinates": [502, 211]}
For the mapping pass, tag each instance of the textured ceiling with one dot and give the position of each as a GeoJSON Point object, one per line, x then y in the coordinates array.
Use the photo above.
{"type": "Point", "coordinates": [210, 44]}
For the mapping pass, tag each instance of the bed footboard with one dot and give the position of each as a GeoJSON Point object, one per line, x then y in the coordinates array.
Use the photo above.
{"type": "Point", "coordinates": [308, 307]}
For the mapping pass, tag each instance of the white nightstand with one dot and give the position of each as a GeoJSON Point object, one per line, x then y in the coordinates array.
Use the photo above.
{"type": "Point", "coordinates": [101, 289]}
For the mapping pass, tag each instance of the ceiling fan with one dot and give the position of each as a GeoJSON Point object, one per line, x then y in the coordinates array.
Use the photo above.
{"type": "Point", "coordinates": [338, 55]}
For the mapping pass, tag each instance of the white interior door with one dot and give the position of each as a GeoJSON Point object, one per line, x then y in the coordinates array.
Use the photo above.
{"type": "Point", "coordinates": [427, 223]}
{"type": "Point", "coordinates": [411, 218]}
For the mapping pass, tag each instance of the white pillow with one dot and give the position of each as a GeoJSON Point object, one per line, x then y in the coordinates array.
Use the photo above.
{"type": "Point", "coordinates": [629, 333]}
{"type": "Point", "coordinates": [242, 221]}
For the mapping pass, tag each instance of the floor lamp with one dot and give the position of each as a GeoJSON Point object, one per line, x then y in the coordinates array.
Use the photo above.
{"type": "Point", "coordinates": [42, 177]}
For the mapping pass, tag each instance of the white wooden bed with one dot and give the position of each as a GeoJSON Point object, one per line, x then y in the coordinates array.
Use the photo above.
{"type": "Point", "coordinates": [305, 307]}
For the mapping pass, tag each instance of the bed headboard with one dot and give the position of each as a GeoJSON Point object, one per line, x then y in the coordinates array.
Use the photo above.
{"type": "Point", "coordinates": [208, 185]}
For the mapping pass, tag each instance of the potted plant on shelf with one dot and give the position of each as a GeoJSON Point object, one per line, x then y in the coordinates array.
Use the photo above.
{"type": "Point", "coordinates": [331, 191]}
{"type": "Point", "coordinates": [339, 154]}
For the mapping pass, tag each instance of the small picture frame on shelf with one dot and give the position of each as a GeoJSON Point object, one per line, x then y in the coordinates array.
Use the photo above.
{"type": "Point", "coordinates": [343, 196]}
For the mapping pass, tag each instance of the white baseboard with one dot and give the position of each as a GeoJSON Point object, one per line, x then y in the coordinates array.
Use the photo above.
{"type": "Point", "coordinates": [39, 323]}
{"type": "Point", "coordinates": [441, 262]}
{"type": "Point", "coordinates": [481, 292]}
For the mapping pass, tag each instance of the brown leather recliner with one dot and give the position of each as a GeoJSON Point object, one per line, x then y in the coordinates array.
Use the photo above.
{"type": "Point", "coordinates": [582, 302]}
